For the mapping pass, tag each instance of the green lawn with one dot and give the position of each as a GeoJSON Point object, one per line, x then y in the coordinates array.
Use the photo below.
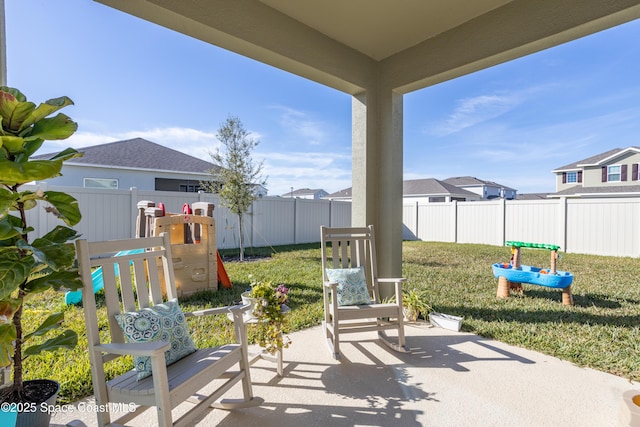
{"type": "Point", "coordinates": [601, 331]}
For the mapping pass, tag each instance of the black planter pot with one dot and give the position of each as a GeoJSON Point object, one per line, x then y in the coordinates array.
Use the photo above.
{"type": "Point", "coordinates": [43, 391]}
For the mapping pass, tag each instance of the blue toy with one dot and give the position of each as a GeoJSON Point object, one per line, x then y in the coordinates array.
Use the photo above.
{"type": "Point", "coordinates": [511, 275]}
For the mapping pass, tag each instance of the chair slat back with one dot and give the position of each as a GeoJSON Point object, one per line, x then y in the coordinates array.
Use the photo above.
{"type": "Point", "coordinates": [350, 248]}
{"type": "Point", "coordinates": [131, 278]}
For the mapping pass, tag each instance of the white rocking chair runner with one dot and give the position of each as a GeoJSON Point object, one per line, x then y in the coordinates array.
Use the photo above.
{"type": "Point", "coordinates": [205, 375]}
{"type": "Point", "coordinates": [344, 248]}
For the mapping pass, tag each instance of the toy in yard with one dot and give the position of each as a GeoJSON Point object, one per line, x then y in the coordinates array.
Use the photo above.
{"type": "Point", "coordinates": [511, 275]}
{"type": "Point", "coordinates": [196, 261]}
{"type": "Point", "coordinates": [75, 297]}
{"type": "Point", "coordinates": [193, 244]}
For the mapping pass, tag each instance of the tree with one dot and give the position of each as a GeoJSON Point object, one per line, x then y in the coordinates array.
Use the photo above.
{"type": "Point", "coordinates": [234, 181]}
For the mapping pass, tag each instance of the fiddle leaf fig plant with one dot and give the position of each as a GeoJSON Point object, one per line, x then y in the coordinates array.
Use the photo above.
{"type": "Point", "coordinates": [28, 267]}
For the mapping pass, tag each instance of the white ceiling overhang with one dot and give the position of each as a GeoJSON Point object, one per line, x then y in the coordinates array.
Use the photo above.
{"type": "Point", "coordinates": [407, 45]}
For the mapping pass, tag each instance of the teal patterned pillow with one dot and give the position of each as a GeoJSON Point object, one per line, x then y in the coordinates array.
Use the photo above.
{"type": "Point", "coordinates": [352, 285]}
{"type": "Point", "coordinates": [162, 322]}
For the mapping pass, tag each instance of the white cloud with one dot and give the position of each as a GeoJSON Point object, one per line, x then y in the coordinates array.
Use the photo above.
{"type": "Point", "coordinates": [302, 126]}
{"type": "Point", "coordinates": [326, 170]}
{"type": "Point", "coordinates": [330, 172]}
{"type": "Point", "coordinates": [471, 111]}
{"type": "Point", "coordinates": [190, 141]}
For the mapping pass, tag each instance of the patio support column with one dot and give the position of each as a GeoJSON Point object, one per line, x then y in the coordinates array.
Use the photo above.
{"type": "Point", "coordinates": [377, 173]}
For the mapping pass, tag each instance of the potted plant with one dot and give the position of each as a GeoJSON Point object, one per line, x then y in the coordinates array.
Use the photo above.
{"type": "Point", "coordinates": [270, 313]}
{"type": "Point", "coordinates": [414, 304]}
{"type": "Point", "coordinates": [29, 267]}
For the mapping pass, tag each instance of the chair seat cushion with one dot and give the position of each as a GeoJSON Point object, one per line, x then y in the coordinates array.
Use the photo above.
{"type": "Point", "coordinates": [161, 322]}
{"type": "Point", "coordinates": [352, 285]}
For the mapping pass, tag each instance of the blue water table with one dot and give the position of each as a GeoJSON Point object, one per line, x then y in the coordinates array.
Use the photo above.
{"type": "Point", "coordinates": [513, 274]}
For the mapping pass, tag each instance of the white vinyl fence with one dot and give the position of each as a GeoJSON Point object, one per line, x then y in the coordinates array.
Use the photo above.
{"type": "Point", "coordinates": [598, 226]}
{"type": "Point", "coordinates": [111, 214]}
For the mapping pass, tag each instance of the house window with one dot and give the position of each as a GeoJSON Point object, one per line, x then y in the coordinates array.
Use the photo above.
{"type": "Point", "coordinates": [572, 177]}
{"type": "Point", "coordinates": [613, 173]}
{"type": "Point", "coordinates": [189, 188]}
{"type": "Point", "coordinates": [436, 199]}
{"type": "Point", "coordinates": [109, 183]}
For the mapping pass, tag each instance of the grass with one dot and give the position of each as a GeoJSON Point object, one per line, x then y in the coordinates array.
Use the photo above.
{"type": "Point", "coordinates": [601, 330]}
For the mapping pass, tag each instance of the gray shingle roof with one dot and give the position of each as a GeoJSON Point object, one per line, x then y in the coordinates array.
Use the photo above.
{"type": "Point", "coordinates": [342, 193]}
{"type": "Point", "coordinates": [472, 180]}
{"type": "Point", "coordinates": [138, 153]}
{"type": "Point", "coordinates": [303, 192]}
{"type": "Point", "coordinates": [532, 196]}
{"type": "Point", "coordinates": [593, 160]}
{"type": "Point", "coordinates": [589, 160]}
{"type": "Point", "coordinates": [608, 189]}
{"type": "Point", "coordinates": [420, 187]}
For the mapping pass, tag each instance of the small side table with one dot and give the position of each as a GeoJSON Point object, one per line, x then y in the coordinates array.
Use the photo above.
{"type": "Point", "coordinates": [248, 319]}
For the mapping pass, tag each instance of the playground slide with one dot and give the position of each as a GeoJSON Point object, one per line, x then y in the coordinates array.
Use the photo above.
{"type": "Point", "coordinates": [74, 297]}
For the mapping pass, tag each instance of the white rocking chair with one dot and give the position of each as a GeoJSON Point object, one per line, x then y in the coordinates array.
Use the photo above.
{"type": "Point", "coordinates": [354, 248]}
{"type": "Point", "coordinates": [141, 263]}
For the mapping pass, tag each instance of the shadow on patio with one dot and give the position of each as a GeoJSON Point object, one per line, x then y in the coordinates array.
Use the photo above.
{"type": "Point", "coordinates": [448, 378]}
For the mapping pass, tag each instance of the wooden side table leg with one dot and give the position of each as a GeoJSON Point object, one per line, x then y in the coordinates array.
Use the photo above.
{"type": "Point", "coordinates": [567, 297]}
{"type": "Point", "coordinates": [503, 287]}
{"type": "Point", "coordinates": [279, 362]}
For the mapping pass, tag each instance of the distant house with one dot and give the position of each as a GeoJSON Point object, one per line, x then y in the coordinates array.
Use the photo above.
{"type": "Point", "coordinates": [612, 173]}
{"type": "Point", "coordinates": [532, 196]}
{"type": "Point", "coordinates": [485, 189]}
{"type": "Point", "coordinates": [428, 190]}
{"type": "Point", "coordinates": [306, 193]}
{"type": "Point", "coordinates": [134, 163]}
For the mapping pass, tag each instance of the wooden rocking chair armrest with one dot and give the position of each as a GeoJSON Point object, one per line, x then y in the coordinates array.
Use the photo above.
{"type": "Point", "coordinates": [393, 280]}
{"type": "Point", "coordinates": [232, 309]}
{"type": "Point", "coordinates": [215, 311]}
{"type": "Point", "coordinates": [136, 348]}
{"type": "Point", "coordinates": [331, 285]}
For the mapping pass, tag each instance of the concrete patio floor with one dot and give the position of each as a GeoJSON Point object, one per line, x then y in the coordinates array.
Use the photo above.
{"type": "Point", "coordinates": [447, 379]}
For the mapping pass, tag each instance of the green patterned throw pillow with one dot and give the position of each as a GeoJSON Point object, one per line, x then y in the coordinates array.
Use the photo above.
{"type": "Point", "coordinates": [352, 285]}
{"type": "Point", "coordinates": [161, 322]}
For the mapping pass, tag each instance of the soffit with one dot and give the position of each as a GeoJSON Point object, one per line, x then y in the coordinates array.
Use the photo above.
{"type": "Point", "coordinates": [381, 28]}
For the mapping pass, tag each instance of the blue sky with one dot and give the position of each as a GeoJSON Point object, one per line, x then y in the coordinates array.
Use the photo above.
{"type": "Point", "coordinates": [513, 123]}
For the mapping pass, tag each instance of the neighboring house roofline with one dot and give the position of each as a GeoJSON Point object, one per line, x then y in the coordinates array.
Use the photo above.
{"type": "Point", "coordinates": [612, 157]}
{"type": "Point", "coordinates": [609, 191]}
{"type": "Point", "coordinates": [139, 154]}
{"type": "Point", "coordinates": [472, 181]}
{"type": "Point", "coordinates": [419, 188]}
{"type": "Point", "coordinates": [96, 166]}
{"type": "Point", "coordinates": [596, 160]}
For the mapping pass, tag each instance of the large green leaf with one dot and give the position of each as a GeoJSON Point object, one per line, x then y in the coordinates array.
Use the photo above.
{"type": "Point", "coordinates": [58, 256]}
{"type": "Point", "coordinates": [15, 92]}
{"type": "Point", "coordinates": [7, 199]}
{"type": "Point", "coordinates": [29, 199]}
{"type": "Point", "coordinates": [32, 146]}
{"type": "Point", "coordinates": [13, 144]}
{"type": "Point", "coordinates": [66, 207]}
{"type": "Point", "coordinates": [45, 109]}
{"type": "Point", "coordinates": [66, 154]}
{"type": "Point", "coordinates": [59, 234]}
{"type": "Point", "coordinates": [14, 269]}
{"type": "Point", "coordinates": [20, 173]}
{"type": "Point", "coordinates": [68, 280]}
{"type": "Point", "coordinates": [57, 127]}
{"type": "Point", "coordinates": [67, 340]}
{"type": "Point", "coordinates": [54, 321]}
{"type": "Point", "coordinates": [8, 104]}
{"type": "Point", "coordinates": [20, 113]}
{"type": "Point", "coordinates": [7, 231]}
{"type": "Point", "coordinates": [7, 336]}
